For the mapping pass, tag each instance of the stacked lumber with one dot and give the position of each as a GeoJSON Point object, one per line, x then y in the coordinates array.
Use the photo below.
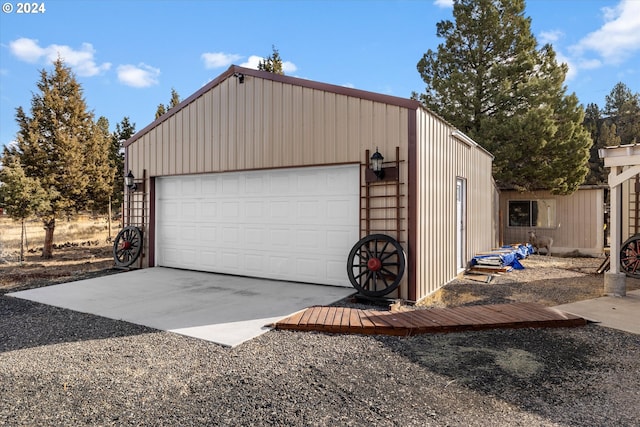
{"type": "Point", "coordinates": [497, 261]}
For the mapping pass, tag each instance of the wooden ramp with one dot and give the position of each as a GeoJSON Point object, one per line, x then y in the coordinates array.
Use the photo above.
{"type": "Point", "coordinates": [422, 321]}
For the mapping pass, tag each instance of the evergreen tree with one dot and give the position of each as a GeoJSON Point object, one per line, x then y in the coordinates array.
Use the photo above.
{"type": "Point", "coordinates": [608, 135]}
{"type": "Point", "coordinates": [173, 102]}
{"type": "Point", "coordinates": [272, 63]}
{"type": "Point", "coordinates": [620, 100]}
{"type": "Point", "coordinates": [617, 124]}
{"type": "Point", "coordinates": [160, 110]}
{"type": "Point", "coordinates": [175, 99]}
{"type": "Point", "coordinates": [21, 196]}
{"type": "Point", "coordinates": [489, 79]}
{"type": "Point", "coordinates": [58, 145]}
{"type": "Point", "coordinates": [592, 122]}
{"type": "Point", "coordinates": [623, 108]}
{"type": "Point", "coordinates": [98, 166]}
{"type": "Point", "coordinates": [124, 130]}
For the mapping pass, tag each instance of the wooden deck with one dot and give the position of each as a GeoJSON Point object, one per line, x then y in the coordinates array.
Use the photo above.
{"type": "Point", "coordinates": [422, 321]}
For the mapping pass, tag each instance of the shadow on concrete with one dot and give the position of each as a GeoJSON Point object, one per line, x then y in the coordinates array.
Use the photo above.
{"type": "Point", "coordinates": [27, 324]}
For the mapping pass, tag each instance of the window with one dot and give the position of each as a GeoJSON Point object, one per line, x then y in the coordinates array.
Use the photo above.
{"type": "Point", "coordinates": [532, 213]}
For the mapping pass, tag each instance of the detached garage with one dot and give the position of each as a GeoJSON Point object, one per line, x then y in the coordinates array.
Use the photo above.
{"type": "Point", "coordinates": [272, 176]}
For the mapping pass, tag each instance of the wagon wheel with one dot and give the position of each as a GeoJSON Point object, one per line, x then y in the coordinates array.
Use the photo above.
{"type": "Point", "coordinates": [127, 246]}
{"type": "Point", "coordinates": [630, 256]}
{"type": "Point", "coordinates": [376, 265]}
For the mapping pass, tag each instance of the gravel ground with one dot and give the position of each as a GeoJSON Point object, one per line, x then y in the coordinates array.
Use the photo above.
{"type": "Point", "coordinates": [59, 367]}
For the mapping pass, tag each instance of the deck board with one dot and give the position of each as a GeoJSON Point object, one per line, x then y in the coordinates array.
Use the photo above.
{"type": "Point", "coordinates": [421, 321]}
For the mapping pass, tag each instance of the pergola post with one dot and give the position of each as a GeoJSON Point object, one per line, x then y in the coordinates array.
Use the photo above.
{"type": "Point", "coordinates": [624, 161]}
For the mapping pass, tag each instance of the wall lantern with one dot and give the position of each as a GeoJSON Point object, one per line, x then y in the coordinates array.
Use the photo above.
{"type": "Point", "coordinates": [376, 164]}
{"type": "Point", "coordinates": [379, 171]}
{"type": "Point", "coordinates": [239, 76]}
{"type": "Point", "coordinates": [129, 182]}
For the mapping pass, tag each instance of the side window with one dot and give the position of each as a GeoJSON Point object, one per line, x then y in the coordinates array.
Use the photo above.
{"type": "Point", "coordinates": [519, 213]}
{"type": "Point", "coordinates": [532, 213]}
{"type": "Point", "coordinates": [545, 213]}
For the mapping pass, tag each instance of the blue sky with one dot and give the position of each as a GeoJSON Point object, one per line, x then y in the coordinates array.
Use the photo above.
{"type": "Point", "coordinates": [128, 55]}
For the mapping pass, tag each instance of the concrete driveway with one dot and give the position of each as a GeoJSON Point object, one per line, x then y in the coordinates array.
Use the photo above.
{"type": "Point", "coordinates": [227, 310]}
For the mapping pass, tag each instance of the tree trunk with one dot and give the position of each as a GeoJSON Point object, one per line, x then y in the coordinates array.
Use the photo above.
{"type": "Point", "coordinates": [23, 237]}
{"type": "Point", "coordinates": [49, 227]}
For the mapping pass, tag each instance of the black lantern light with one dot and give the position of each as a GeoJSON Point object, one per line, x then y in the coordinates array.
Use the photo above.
{"type": "Point", "coordinates": [129, 182]}
{"type": "Point", "coordinates": [376, 164]}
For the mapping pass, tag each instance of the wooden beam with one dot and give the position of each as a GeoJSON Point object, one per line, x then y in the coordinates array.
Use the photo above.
{"type": "Point", "coordinates": [616, 178]}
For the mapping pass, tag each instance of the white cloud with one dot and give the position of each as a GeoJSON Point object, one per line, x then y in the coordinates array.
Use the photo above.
{"type": "Point", "coordinates": [288, 67]}
{"type": "Point", "coordinates": [550, 36]}
{"type": "Point", "coordinates": [618, 38]}
{"type": "Point", "coordinates": [80, 60]}
{"type": "Point", "coordinates": [140, 75]}
{"type": "Point", "coordinates": [252, 62]}
{"type": "Point", "coordinates": [443, 3]}
{"type": "Point", "coordinates": [26, 50]}
{"type": "Point", "coordinates": [219, 59]}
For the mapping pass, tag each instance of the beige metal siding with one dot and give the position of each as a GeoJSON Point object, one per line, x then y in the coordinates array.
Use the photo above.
{"type": "Point", "coordinates": [264, 124]}
{"type": "Point", "coordinates": [251, 126]}
{"type": "Point", "coordinates": [579, 220]}
{"type": "Point", "coordinates": [441, 158]}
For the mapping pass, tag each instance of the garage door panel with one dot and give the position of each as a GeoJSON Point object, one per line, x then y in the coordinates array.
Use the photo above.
{"type": "Point", "coordinates": [208, 235]}
{"type": "Point", "coordinates": [209, 260]}
{"type": "Point", "coordinates": [335, 270]}
{"type": "Point", "coordinates": [208, 209]}
{"type": "Point", "coordinates": [293, 224]}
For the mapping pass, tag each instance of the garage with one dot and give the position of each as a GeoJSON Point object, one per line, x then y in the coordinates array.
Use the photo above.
{"type": "Point", "coordinates": [295, 224]}
{"type": "Point", "coordinates": [271, 176]}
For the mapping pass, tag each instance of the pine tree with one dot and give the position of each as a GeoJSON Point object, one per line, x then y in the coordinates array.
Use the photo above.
{"type": "Point", "coordinates": [56, 146]}
{"type": "Point", "coordinates": [489, 80]}
{"type": "Point", "coordinates": [173, 102]}
{"type": "Point", "coordinates": [272, 63]}
{"type": "Point", "coordinates": [617, 124]}
{"type": "Point", "coordinates": [592, 122]}
{"type": "Point", "coordinates": [98, 166]}
{"type": "Point", "coordinates": [124, 130]}
{"type": "Point", "coordinates": [175, 99]}
{"type": "Point", "coordinates": [623, 108]}
{"type": "Point", "coordinates": [21, 196]}
{"type": "Point", "coordinates": [161, 110]}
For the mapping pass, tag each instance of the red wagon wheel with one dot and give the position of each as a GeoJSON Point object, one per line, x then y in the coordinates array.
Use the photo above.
{"type": "Point", "coordinates": [127, 246]}
{"type": "Point", "coordinates": [376, 265]}
{"type": "Point", "coordinates": [630, 256]}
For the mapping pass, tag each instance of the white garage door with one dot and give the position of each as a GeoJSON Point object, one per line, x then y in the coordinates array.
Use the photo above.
{"type": "Point", "coordinates": [287, 224]}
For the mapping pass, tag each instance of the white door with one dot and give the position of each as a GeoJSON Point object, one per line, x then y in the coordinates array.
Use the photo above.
{"type": "Point", "coordinates": [287, 224]}
{"type": "Point", "coordinates": [461, 221]}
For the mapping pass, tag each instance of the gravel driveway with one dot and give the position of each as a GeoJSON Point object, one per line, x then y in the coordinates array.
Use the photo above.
{"type": "Point", "coordinates": [59, 367]}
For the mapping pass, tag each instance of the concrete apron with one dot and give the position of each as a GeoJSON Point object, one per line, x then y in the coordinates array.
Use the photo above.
{"type": "Point", "coordinates": [226, 310]}
{"type": "Point", "coordinates": [616, 312]}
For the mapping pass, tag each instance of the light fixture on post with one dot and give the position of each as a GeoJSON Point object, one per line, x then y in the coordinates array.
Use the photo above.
{"type": "Point", "coordinates": [129, 181]}
{"type": "Point", "coordinates": [376, 164]}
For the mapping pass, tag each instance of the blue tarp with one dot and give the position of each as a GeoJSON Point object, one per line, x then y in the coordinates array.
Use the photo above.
{"type": "Point", "coordinates": [522, 250]}
{"type": "Point", "coordinates": [507, 256]}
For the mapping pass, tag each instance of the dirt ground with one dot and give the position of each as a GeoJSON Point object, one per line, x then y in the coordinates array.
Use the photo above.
{"type": "Point", "coordinates": [546, 280]}
{"type": "Point", "coordinates": [69, 264]}
{"type": "Point", "coordinates": [549, 281]}
{"type": "Point", "coordinates": [82, 249]}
